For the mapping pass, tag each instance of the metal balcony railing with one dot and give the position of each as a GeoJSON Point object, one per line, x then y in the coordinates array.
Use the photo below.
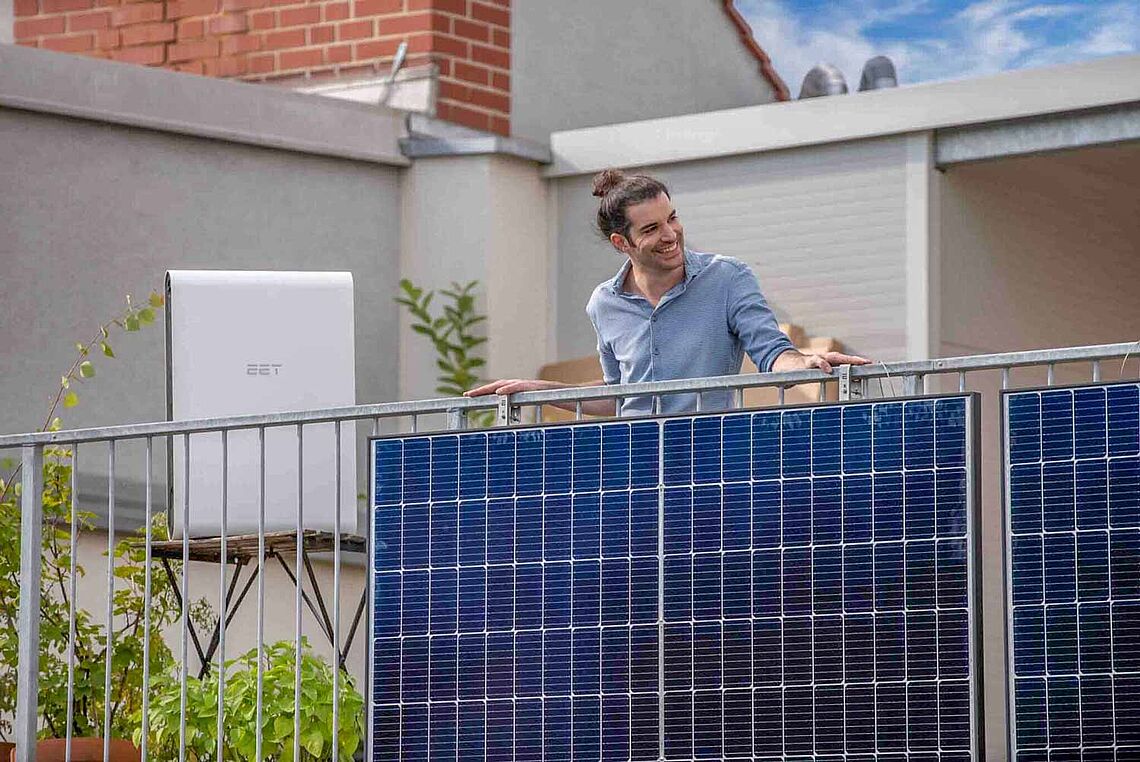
{"type": "Point", "coordinates": [846, 383]}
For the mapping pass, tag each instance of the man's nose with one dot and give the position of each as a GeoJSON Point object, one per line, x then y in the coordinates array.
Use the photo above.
{"type": "Point", "coordinates": [668, 233]}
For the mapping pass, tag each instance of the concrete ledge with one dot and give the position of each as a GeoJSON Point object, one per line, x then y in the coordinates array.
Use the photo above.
{"type": "Point", "coordinates": [1037, 135]}
{"type": "Point", "coordinates": [424, 146]}
{"type": "Point", "coordinates": [186, 104]}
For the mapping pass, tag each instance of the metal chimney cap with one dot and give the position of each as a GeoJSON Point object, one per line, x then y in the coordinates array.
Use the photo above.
{"type": "Point", "coordinates": [878, 73]}
{"type": "Point", "coordinates": [823, 79]}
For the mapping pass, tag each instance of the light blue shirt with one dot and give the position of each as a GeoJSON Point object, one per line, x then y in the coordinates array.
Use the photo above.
{"type": "Point", "coordinates": [701, 327]}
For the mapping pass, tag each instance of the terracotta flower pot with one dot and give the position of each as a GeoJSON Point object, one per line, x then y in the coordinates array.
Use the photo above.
{"type": "Point", "coordinates": [83, 750]}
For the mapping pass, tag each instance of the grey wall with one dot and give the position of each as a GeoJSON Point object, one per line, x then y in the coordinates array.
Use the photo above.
{"type": "Point", "coordinates": [95, 208]}
{"type": "Point", "coordinates": [647, 59]}
{"type": "Point", "coordinates": [7, 19]}
{"type": "Point", "coordinates": [91, 212]}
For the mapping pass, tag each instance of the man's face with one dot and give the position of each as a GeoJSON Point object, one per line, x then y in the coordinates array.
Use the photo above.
{"type": "Point", "coordinates": [656, 239]}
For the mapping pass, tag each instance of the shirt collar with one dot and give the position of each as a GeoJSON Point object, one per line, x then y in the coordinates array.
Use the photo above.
{"type": "Point", "coordinates": [693, 267]}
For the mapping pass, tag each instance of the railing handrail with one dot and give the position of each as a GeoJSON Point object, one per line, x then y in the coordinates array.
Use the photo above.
{"type": "Point", "coordinates": [878, 370]}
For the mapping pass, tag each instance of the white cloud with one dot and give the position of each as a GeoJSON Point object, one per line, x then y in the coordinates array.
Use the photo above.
{"type": "Point", "coordinates": [984, 37]}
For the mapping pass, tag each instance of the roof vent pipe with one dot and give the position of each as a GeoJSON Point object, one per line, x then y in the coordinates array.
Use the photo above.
{"type": "Point", "coordinates": [823, 79]}
{"type": "Point", "coordinates": [878, 73]}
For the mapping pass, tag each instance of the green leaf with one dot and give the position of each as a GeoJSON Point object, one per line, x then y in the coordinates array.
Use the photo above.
{"type": "Point", "coordinates": [131, 323]}
{"type": "Point", "coordinates": [106, 349]}
{"type": "Point", "coordinates": [55, 425]}
{"type": "Point", "coordinates": [157, 300]}
{"type": "Point", "coordinates": [146, 316]}
{"type": "Point", "coordinates": [71, 399]}
{"type": "Point", "coordinates": [86, 369]}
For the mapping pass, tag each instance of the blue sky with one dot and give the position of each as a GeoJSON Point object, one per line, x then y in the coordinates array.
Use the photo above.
{"type": "Point", "coordinates": [938, 39]}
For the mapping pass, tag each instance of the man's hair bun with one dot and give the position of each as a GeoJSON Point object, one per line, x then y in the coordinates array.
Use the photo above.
{"type": "Point", "coordinates": [606, 180]}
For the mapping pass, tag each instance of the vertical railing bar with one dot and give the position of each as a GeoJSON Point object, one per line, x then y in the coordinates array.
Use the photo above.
{"type": "Point", "coordinates": [297, 592]}
{"type": "Point", "coordinates": [370, 583]}
{"type": "Point", "coordinates": [71, 612]}
{"type": "Point", "coordinates": [415, 423]}
{"type": "Point", "coordinates": [375, 426]}
{"type": "Point", "coordinates": [538, 413]}
{"type": "Point", "coordinates": [1050, 374]}
{"type": "Point", "coordinates": [822, 391]}
{"type": "Point", "coordinates": [1096, 371]}
{"type": "Point", "coordinates": [222, 589]}
{"type": "Point", "coordinates": [779, 395]}
{"type": "Point", "coordinates": [700, 400]}
{"type": "Point", "coordinates": [337, 661]}
{"type": "Point", "coordinates": [657, 404]}
{"type": "Point", "coordinates": [144, 745]}
{"type": "Point", "coordinates": [1005, 378]}
{"type": "Point", "coordinates": [618, 404]}
{"type": "Point", "coordinates": [921, 383]}
{"type": "Point", "coordinates": [961, 380]}
{"type": "Point", "coordinates": [111, 444]}
{"type": "Point", "coordinates": [260, 589]}
{"type": "Point", "coordinates": [578, 410]}
{"type": "Point", "coordinates": [738, 398]}
{"type": "Point", "coordinates": [28, 615]}
{"type": "Point", "coordinates": [184, 622]}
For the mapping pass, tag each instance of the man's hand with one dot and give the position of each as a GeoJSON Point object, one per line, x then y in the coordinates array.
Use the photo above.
{"type": "Point", "coordinates": [796, 360]}
{"type": "Point", "coordinates": [512, 385]}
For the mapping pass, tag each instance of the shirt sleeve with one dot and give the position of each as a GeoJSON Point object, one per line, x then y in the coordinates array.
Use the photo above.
{"type": "Point", "coordinates": [611, 368]}
{"type": "Point", "coordinates": [752, 321]}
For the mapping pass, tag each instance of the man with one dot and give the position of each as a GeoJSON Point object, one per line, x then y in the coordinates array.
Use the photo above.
{"type": "Point", "coordinates": [672, 313]}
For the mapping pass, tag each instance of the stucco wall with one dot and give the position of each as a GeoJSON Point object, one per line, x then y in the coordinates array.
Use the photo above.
{"type": "Point", "coordinates": [648, 59]}
{"type": "Point", "coordinates": [92, 210]}
{"type": "Point", "coordinates": [477, 218]}
{"type": "Point", "coordinates": [824, 229]}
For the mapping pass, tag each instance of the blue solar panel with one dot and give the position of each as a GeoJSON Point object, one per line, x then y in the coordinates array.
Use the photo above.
{"type": "Point", "coordinates": [771, 585]}
{"type": "Point", "coordinates": [1073, 570]}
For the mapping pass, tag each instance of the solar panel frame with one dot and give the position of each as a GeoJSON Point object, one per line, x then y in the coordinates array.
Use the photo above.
{"type": "Point", "coordinates": [972, 544]}
{"type": "Point", "coordinates": [1034, 754]}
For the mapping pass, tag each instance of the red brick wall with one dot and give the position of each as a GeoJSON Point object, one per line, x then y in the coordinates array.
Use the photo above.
{"type": "Point", "coordinates": [290, 41]}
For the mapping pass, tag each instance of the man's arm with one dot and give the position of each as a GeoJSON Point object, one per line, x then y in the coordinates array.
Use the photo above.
{"type": "Point", "coordinates": [512, 385]}
{"type": "Point", "coordinates": [753, 321]}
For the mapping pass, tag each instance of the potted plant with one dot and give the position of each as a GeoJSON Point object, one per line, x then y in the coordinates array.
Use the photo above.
{"type": "Point", "coordinates": [128, 634]}
{"type": "Point", "coordinates": [239, 743]}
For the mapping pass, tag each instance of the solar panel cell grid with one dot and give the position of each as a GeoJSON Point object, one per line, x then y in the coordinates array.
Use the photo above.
{"type": "Point", "coordinates": [792, 584]}
{"type": "Point", "coordinates": [1073, 491]}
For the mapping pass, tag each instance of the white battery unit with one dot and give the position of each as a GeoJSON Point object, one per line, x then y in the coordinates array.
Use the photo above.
{"type": "Point", "coordinates": [241, 343]}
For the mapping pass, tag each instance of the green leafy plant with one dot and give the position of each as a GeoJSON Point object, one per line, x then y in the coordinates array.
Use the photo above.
{"type": "Point", "coordinates": [452, 334]}
{"type": "Point", "coordinates": [129, 635]}
{"type": "Point", "coordinates": [239, 743]}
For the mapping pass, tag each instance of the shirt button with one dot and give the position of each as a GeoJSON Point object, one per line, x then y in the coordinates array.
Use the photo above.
{"type": "Point", "coordinates": [654, 318]}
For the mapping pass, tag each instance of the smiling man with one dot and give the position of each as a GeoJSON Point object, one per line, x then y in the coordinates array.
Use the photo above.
{"type": "Point", "coordinates": [670, 312]}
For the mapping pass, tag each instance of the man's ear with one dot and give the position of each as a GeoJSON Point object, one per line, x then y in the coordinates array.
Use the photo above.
{"type": "Point", "coordinates": [620, 242]}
